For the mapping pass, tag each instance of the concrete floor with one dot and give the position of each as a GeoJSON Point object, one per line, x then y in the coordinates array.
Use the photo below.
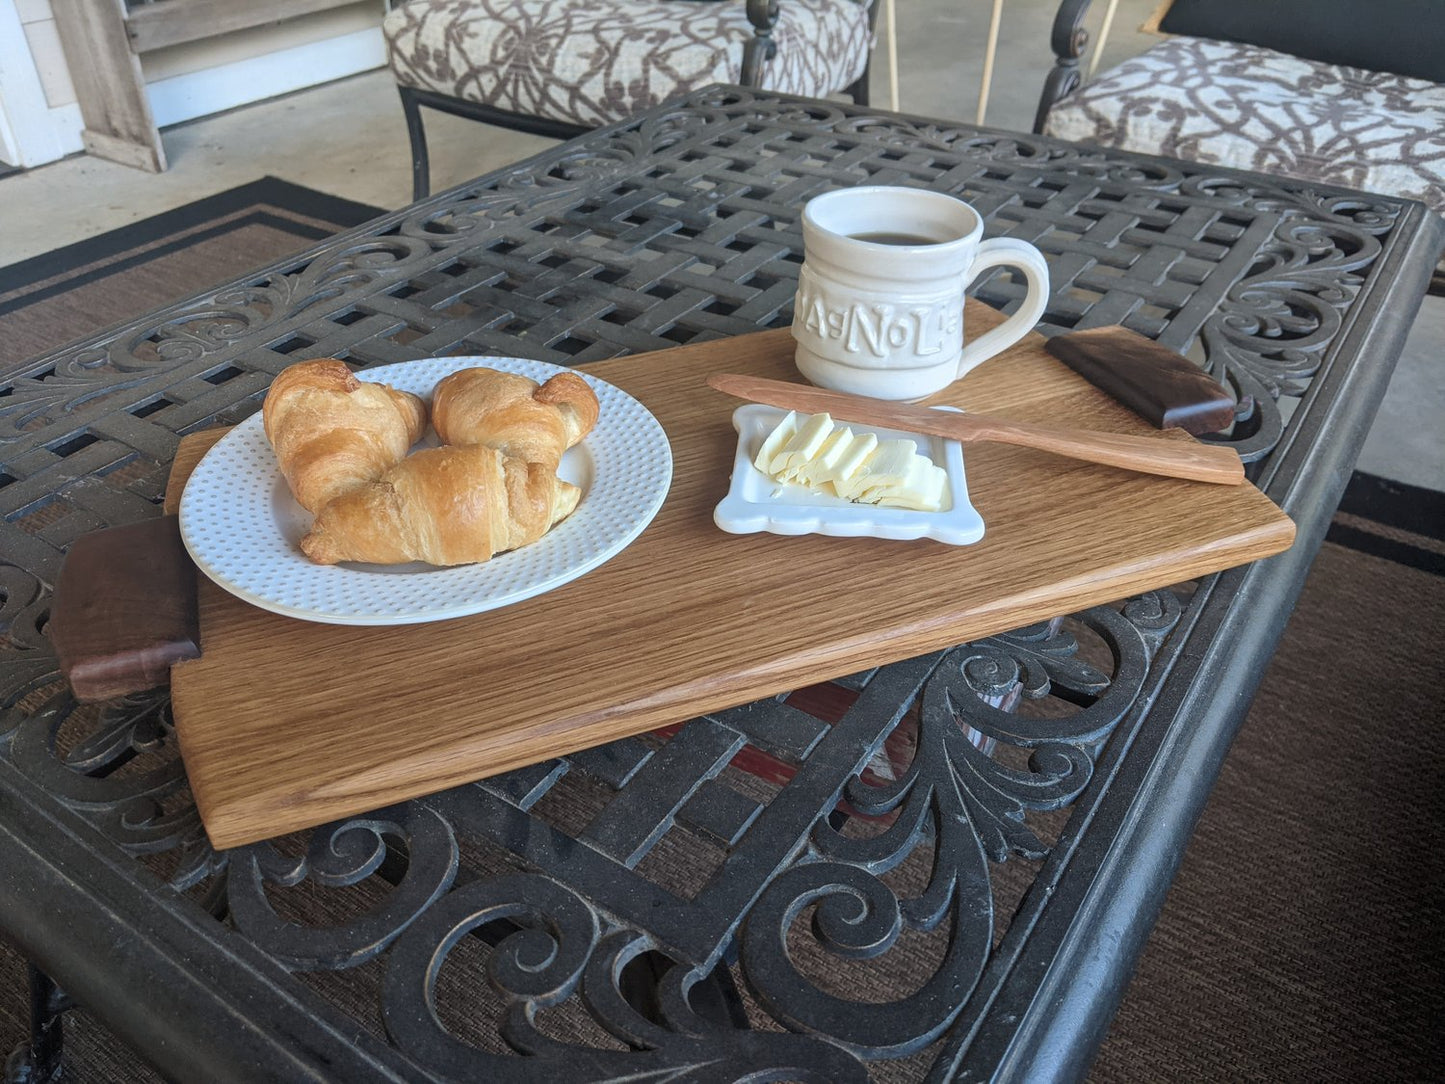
{"type": "Point", "coordinates": [348, 138]}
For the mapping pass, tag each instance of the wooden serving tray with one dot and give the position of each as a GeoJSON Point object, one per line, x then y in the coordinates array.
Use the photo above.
{"type": "Point", "coordinates": [285, 724]}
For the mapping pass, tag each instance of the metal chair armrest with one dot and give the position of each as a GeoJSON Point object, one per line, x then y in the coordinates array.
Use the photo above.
{"type": "Point", "coordinates": [1069, 40]}
{"type": "Point", "coordinates": [763, 14]}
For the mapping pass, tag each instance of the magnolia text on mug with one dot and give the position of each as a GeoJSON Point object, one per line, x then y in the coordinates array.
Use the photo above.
{"type": "Point", "coordinates": [879, 327]}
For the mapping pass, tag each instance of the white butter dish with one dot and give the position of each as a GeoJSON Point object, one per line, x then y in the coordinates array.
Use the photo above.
{"type": "Point", "coordinates": [755, 502]}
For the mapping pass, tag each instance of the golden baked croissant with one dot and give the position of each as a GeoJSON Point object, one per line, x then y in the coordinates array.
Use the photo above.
{"type": "Point", "coordinates": [513, 413]}
{"type": "Point", "coordinates": [452, 505]}
{"type": "Point", "coordinates": [332, 432]}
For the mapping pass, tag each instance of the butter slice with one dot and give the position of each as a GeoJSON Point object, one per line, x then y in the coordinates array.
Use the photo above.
{"type": "Point", "coordinates": [834, 445]}
{"type": "Point", "coordinates": [899, 481]}
{"type": "Point", "coordinates": [813, 452]}
{"type": "Point", "coordinates": [774, 442]}
{"type": "Point", "coordinates": [923, 488]}
{"type": "Point", "coordinates": [887, 466]}
{"type": "Point", "coordinates": [850, 460]}
{"type": "Point", "coordinates": [806, 443]}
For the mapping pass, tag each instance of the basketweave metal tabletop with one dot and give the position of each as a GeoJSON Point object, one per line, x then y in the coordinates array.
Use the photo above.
{"type": "Point", "coordinates": [943, 867]}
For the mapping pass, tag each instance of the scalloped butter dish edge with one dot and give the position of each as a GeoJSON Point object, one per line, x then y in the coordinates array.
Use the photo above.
{"type": "Point", "coordinates": [755, 502]}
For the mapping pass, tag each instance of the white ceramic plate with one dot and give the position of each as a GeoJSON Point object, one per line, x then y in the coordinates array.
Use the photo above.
{"type": "Point", "coordinates": [755, 502]}
{"type": "Point", "coordinates": [242, 526]}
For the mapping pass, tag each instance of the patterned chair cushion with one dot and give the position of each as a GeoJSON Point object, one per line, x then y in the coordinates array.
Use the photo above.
{"type": "Point", "coordinates": [592, 62]}
{"type": "Point", "coordinates": [1227, 104]}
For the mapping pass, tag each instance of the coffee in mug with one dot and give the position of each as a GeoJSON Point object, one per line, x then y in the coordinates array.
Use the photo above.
{"type": "Point", "coordinates": [879, 308]}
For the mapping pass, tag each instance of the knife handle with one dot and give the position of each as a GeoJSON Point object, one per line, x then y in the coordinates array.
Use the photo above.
{"type": "Point", "coordinates": [1148, 455]}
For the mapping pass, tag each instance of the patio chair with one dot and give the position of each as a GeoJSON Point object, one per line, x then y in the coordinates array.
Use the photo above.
{"type": "Point", "coordinates": [1317, 90]}
{"type": "Point", "coordinates": [563, 67]}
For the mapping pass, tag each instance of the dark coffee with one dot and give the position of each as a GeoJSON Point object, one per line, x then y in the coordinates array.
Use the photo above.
{"type": "Point", "coordinates": [886, 238]}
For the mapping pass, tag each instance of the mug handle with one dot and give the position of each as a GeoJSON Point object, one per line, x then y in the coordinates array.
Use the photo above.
{"type": "Point", "coordinates": [1008, 252]}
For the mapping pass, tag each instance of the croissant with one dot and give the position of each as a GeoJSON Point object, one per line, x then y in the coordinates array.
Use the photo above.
{"type": "Point", "coordinates": [513, 413]}
{"type": "Point", "coordinates": [332, 432]}
{"type": "Point", "coordinates": [447, 506]}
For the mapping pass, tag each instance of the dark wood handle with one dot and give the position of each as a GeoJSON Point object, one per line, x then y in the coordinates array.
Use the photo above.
{"type": "Point", "coordinates": [125, 609]}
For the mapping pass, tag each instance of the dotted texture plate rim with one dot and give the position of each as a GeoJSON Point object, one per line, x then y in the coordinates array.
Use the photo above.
{"type": "Point", "coordinates": [241, 525]}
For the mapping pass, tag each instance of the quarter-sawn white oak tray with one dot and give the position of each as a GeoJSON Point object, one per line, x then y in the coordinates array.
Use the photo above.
{"type": "Point", "coordinates": [285, 724]}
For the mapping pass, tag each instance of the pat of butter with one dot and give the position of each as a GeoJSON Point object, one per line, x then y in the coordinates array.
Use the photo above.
{"type": "Point", "coordinates": [775, 441]}
{"type": "Point", "coordinates": [806, 443]}
{"type": "Point", "coordinates": [836, 445]}
{"type": "Point", "coordinates": [923, 487]}
{"type": "Point", "coordinates": [855, 452]}
{"type": "Point", "coordinates": [812, 452]}
{"type": "Point", "coordinates": [841, 456]}
{"type": "Point", "coordinates": [887, 466]}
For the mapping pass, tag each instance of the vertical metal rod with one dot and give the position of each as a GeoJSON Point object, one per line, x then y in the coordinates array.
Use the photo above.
{"type": "Point", "coordinates": [416, 134]}
{"type": "Point", "coordinates": [892, 24]}
{"type": "Point", "coordinates": [46, 1028]}
{"type": "Point", "coordinates": [1103, 37]}
{"type": "Point", "coordinates": [993, 24]}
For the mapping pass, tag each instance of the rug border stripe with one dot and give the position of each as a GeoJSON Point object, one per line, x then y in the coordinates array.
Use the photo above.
{"type": "Point", "coordinates": [294, 197]}
{"type": "Point", "coordinates": [1389, 549]}
{"type": "Point", "coordinates": [258, 217]}
{"type": "Point", "coordinates": [1396, 504]}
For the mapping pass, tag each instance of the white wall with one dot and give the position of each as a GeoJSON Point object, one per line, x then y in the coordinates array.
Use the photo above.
{"type": "Point", "coordinates": [40, 120]}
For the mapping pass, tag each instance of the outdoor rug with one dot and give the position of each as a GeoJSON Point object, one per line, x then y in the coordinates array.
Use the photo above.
{"type": "Point", "coordinates": [1302, 939]}
{"type": "Point", "coordinates": [72, 292]}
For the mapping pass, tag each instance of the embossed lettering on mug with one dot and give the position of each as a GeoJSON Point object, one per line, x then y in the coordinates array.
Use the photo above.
{"type": "Point", "coordinates": [879, 307]}
{"type": "Point", "coordinates": [877, 328]}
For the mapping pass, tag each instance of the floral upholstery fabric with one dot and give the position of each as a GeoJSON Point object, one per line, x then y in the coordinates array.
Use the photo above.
{"type": "Point", "coordinates": [592, 62]}
{"type": "Point", "coordinates": [1252, 108]}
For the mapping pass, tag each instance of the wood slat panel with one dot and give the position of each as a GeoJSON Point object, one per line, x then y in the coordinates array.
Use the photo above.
{"type": "Point", "coordinates": [285, 724]}
{"type": "Point", "coordinates": [108, 84]}
{"type": "Point", "coordinates": [174, 22]}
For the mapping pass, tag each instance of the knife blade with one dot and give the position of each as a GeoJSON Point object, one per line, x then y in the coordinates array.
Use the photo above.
{"type": "Point", "coordinates": [1149, 455]}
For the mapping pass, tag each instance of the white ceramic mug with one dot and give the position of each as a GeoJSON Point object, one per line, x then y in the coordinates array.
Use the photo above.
{"type": "Point", "coordinates": [879, 309]}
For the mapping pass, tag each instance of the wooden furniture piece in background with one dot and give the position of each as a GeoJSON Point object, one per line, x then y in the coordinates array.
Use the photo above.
{"type": "Point", "coordinates": [109, 84]}
{"type": "Point", "coordinates": [104, 40]}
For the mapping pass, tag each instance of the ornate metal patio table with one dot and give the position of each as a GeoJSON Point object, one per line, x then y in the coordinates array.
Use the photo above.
{"type": "Point", "coordinates": [910, 871]}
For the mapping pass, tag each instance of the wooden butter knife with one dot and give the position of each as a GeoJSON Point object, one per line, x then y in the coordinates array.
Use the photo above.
{"type": "Point", "coordinates": [1173, 459]}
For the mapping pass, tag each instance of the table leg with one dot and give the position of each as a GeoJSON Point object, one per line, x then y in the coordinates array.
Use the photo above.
{"type": "Point", "coordinates": [38, 1061]}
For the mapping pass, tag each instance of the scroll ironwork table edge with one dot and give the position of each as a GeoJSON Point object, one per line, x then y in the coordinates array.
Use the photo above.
{"type": "Point", "coordinates": [1081, 985]}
